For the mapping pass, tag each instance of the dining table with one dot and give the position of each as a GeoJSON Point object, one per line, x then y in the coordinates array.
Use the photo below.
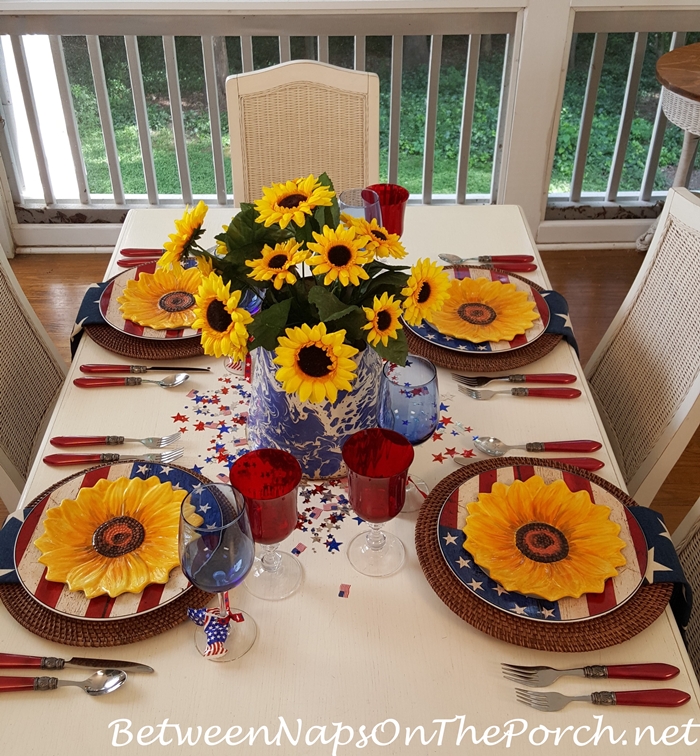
{"type": "Point", "coordinates": [349, 663]}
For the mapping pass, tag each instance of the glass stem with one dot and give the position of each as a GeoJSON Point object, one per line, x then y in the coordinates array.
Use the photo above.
{"type": "Point", "coordinates": [271, 559]}
{"type": "Point", "coordinates": [223, 604]}
{"type": "Point", "coordinates": [375, 538]}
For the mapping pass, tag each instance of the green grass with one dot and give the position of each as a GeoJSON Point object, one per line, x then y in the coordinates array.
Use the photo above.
{"type": "Point", "coordinates": [413, 102]}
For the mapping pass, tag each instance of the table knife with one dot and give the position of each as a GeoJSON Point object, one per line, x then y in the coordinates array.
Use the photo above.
{"type": "Point", "coordinates": [140, 369]}
{"type": "Point", "coordinates": [18, 661]}
{"type": "Point", "coordinates": [140, 252]}
{"type": "Point", "coordinates": [585, 463]}
{"type": "Point", "coordinates": [135, 262]}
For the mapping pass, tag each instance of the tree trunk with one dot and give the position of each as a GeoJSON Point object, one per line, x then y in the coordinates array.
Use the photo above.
{"type": "Point", "coordinates": [221, 64]}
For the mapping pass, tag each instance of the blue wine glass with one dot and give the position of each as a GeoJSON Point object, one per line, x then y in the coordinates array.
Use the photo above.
{"type": "Point", "coordinates": [409, 404]}
{"type": "Point", "coordinates": [216, 553]}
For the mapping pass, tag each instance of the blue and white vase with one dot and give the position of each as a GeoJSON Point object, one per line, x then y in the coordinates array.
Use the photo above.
{"type": "Point", "coordinates": [313, 433]}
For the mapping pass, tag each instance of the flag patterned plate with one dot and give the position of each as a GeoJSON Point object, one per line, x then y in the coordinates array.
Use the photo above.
{"type": "Point", "coordinates": [429, 333]}
{"type": "Point", "coordinates": [57, 596]}
{"type": "Point", "coordinates": [619, 589]}
{"type": "Point", "coordinates": [109, 308]}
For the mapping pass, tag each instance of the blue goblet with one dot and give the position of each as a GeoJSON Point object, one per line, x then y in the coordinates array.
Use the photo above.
{"type": "Point", "coordinates": [216, 553]}
{"type": "Point", "coordinates": [408, 404]}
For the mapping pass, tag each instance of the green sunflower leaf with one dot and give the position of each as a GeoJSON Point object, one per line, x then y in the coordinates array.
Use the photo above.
{"type": "Point", "coordinates": [396, 349]}
{"type": "Point", "coordinates": [268, 325]}
{"type": "Point", "coordinates": [352, 320]}
{"type": "Point", "coordinates": [390, 282]}
{"type": "Point", "coordinates": [327, 304]}
{"type": "Point", "coordinates": [332, 213]}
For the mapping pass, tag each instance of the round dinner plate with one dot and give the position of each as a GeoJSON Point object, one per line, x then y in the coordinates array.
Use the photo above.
{"type": "Point", "coordinates": [109, 308]}
{"type": "Point", "coordinates": [56, 596]}
{"type": "Point", "coordinates": [618, 590]}
{"type": "Point", "coordinates": [430, 333]}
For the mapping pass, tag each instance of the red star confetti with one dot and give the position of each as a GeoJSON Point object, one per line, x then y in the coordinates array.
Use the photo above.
{"type": "Point", "coordinates": [179, 418]}
{"type": "Point", "coordinates": [445, 420]}
{"type": "Point", "coordinates": [438, 458]}
{"type": "Point", "coordinates": [199, 426]}
{"type": "Point", "coordinates": [437, 436]}
{"type": "Point", "coordinates": [468, 453]}
{"type": "Point", "coordinates": [451, 452]}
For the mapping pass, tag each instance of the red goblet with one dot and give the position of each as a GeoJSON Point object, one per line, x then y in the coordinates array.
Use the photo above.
{"type": "Point", "coordinates": [377, 460]}
{"type": "Point", "coordinates": [392, 201]}
{"type": "Point", "coordinates": [268, 480]}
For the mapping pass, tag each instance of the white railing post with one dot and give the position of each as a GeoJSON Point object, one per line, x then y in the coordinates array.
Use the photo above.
{"type": "Point", "coordinates": [539, 71]}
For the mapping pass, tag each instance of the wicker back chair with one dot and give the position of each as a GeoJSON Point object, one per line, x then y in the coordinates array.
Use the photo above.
{"type": "Point", "coordinates": [645, 373]}
{"type": "Point", "coordinates": [302, 117]}
{"type": "Point", "coordinates": [686, 539]}
{"type": "Point", "coordinates": [31, 375]}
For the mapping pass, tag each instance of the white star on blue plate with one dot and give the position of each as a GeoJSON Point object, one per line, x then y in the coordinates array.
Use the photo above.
{"type": "Point", "coordinates": [143, 469]}
{"type": "Point", "coordinates": [519, 609]}
{"type": "Point", "coordinates": [475, 585]}
{"type": "Point", "coordinates": [547, 613]}
{"type": "Point", "coordinates": [499, 589]}
{"type": "Point", "coordinates": [462, 562]}
{"type": "Point", "coordinates": [449, 539]}
{"type": "Point", "coordinates": [197, 488]}
{"type": "Point", "coordinates": [204, 508]}
{"type": "Point", "coordinates": [166, 470]}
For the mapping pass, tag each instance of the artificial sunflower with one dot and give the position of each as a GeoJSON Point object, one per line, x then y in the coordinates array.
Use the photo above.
{"type": "Point", "coordinates": [116, 537]}
{"type": "Point", "coordinates": [162, 300]}
{"type": "Point", "coordinates": [292, 201]}
{"type": "Point", "coordinates": [340, 254]}
{"type": "Point", "coordinates": [189, 229]}
{"type": "Point", "coordinates": [275, 263]}
{"type": "Point", "coordinates": [381, 243]}
{"type": "Point", "coordinates": [314, 364]}
{"type": "Point", "coordinates": [383, 319]}
{"type": "Point", "coordinates": [543, 540]}
{"type": "Point", "coordinates": [222, 321]}
{"type": "Point", "coordinates": [425, 291]}
{"type": "Point", "coordinates": [479, 309]}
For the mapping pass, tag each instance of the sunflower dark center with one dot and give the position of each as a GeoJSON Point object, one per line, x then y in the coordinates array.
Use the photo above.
{"type": "Point", "coordinates": [176, 301]}
{"type": "Point", "coordinates": [292, 201]}
{"type": "Point", "coordinates": [339, 255]}
{"type": "Point", "coordinates": [541, 542]}
{"type": "Point", "coordinates": [277, 261]}
{"type": "Point", "coordinates": [314, 361]}
{"type": "Point", "coordinates": [378, 235]}
{"type": "Point", "coordinates": [476, 313]}
{"type": "Point", "coordinates": [218, 316]}
{"type": "Point", "coordinates": [118, 536]}
{"type": "Point", "coordinates": [424, 293]}
{"type": "Point", "coordinates": [383, 320]}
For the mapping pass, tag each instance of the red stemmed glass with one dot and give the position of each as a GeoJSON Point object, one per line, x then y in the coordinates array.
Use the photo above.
{"type": "Point", "coordinates": [392, 202]}
{"type": "Point", "coordinates": [268, 480]}
{"type": "Point", "coordinates": [377, 460]}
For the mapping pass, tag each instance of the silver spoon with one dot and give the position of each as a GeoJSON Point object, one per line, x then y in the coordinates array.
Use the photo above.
{"type": "Point", "coordinates": [101, 682]}
{"type": "Point", "coordinates": [131, 380]}
{"type": "Point", "coordinates": [494, 447]}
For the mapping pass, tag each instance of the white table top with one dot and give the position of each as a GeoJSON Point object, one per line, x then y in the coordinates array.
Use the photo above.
{"type": "Point", "coordinates": [392, 650]}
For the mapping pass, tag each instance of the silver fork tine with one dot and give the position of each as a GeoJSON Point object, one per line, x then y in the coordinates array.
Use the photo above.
{"type": "Point", "coordinates": [520, 668]}
{"type": "Point", "coordinates": [166, 440]}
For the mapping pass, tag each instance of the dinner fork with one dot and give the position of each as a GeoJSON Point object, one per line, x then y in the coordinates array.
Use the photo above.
{"type": "Point", "coordinates": [552, 393]}
{"type": "Point", "coordinates": [540, 677]}
{"type": "Point", "coordinates": [556, 701]}
{"type": "Point", "coordinates": [79, 459]}
{"type": "Point", "coordinates": [152, 442]}
{"type": "Point", "coordinates": [479, 381]}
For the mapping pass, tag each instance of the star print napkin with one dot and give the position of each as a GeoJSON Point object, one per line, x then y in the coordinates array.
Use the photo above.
{"type": "Point", "coordinates": [8, 536]}
{"type": "Point", "coordinates": [88, 314]}
{"type": "Point", "coordinates": [559, 322]}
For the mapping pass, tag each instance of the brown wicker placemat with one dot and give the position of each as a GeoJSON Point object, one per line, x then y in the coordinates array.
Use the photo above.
{"type": "Point", "coordinates": [72, 631]}
{"type": "Point", "coordinates": [598, 632]}
{"type": "Point", "coordinates": [493, 362]}
{"type": "Point", "coordinates": [143, 349]}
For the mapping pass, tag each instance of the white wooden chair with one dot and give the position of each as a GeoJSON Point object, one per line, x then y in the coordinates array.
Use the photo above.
{"type": "Point", "coordinates": [31, 375]}
{"type": "Point", "coordinates": [302, 117]}
{"type": "Point", "coordinates": [645, 373]}
{"type": "Point", "coordinates": [686, 539]}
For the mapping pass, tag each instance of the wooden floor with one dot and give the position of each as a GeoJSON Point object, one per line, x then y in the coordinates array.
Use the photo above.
{"type": "Point", "coordinates": [55, 285]}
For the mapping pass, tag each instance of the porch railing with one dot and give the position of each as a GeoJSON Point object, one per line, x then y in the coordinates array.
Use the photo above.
{"type": "Point", "coordinates": [534, 43]}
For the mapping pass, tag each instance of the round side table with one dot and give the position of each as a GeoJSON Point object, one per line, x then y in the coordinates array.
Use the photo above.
{"type": "Point", "coordinates": [678, 72]}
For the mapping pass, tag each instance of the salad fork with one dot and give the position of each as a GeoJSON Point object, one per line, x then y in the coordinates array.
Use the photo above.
{"type": "Point", "coordinates": [556, 701]}
{"type": "Point", "coordinates": [152, 442]}
{"type": "Point", "coordinates": [540, 677]}
{"type": "Point", "coordinates": [479, 381]}
{"type": "Point", "coordinates": [552, 393]}
{"type": "Point", "coordinates": [79, 459]}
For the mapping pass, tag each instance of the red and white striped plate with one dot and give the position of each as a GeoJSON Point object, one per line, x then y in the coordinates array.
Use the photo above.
{"type": "Point", "coordinates": [57, 596]}
{"type": "Point", "coordinates": [453, 517]}
{"type": "Point", "coordinates": [109, 309]}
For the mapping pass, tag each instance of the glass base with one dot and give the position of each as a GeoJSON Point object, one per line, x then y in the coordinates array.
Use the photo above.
{"type": "Point", "coordinates": [376, 562]}
{"type": "Point", "coordinates": [240, 639]}
{"type": "Point", "coordinates": [274, 585]}
{"type": "Point", "coordinates": [417, 491]}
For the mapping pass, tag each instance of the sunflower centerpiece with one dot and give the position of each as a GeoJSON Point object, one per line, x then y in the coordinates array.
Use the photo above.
{"type": "Point", "coordinates": [329, 308]}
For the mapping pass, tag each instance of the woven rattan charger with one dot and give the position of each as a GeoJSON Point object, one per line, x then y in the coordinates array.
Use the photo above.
{"type": "Point", "coordinates": [143, 349]}
{"type": "Point", "coordinates": [620, 625]}
{"type": "Point", "coordinates": [72, 631]}
{"type": "Point", "coordinates": [484, 363]}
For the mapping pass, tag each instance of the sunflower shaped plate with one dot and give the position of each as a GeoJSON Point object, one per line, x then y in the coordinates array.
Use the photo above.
{"type": "Point", "coordinates": [430, 333]}
{"type": "Point", "coordinates": [617, 590]}
{"type": "Point", "coordinates": [57, 596]}
{"type": "Point", "coordinates": [111, 312]}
